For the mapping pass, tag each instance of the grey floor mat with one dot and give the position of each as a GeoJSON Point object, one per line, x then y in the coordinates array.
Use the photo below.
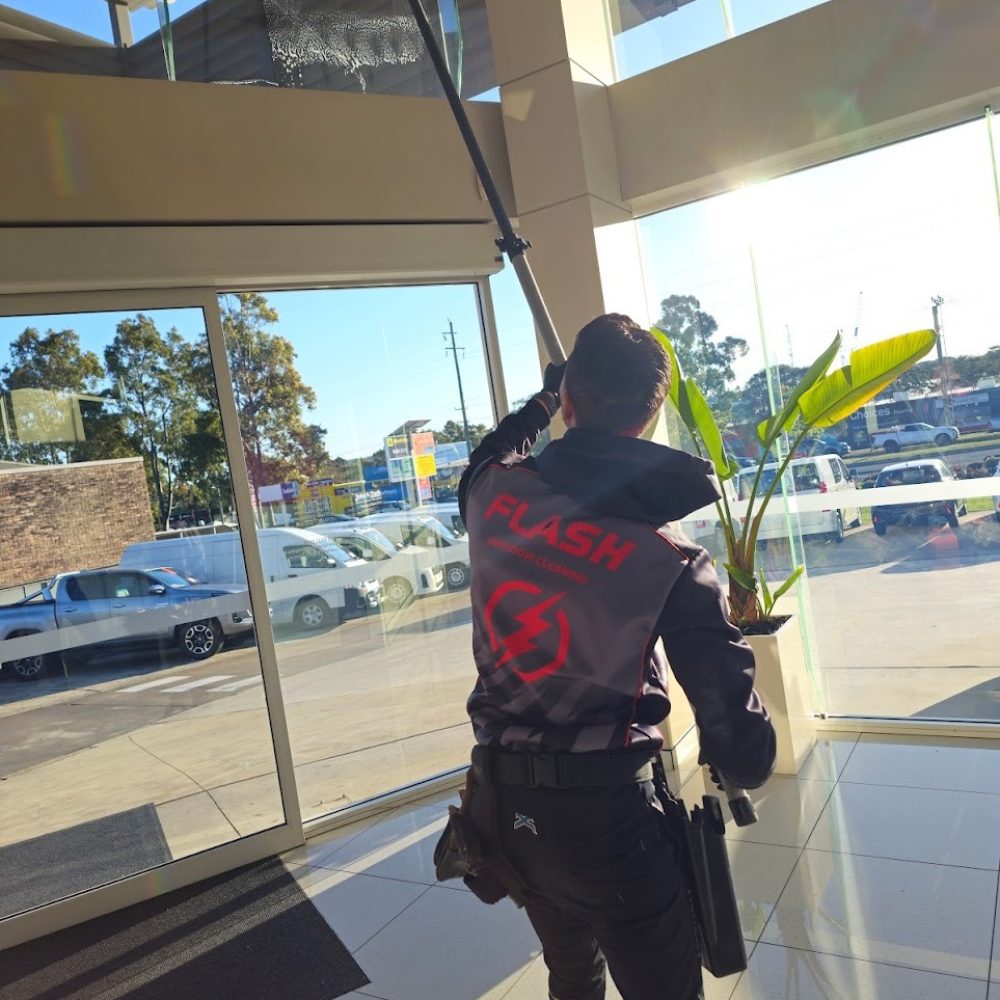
{"type": "Point", "coordinates": [251, 934]}
{"type": "Point", "coordinates": [59, 864]}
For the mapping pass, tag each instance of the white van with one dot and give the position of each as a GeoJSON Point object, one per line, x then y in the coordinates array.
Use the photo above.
{"type": "Point", "coordinates": [413, 528]}
{"type": "Point", "coordinates": [446, 511]}
{"type": "Point", "coordinates": [818, 474]}
{"type": "Point", "coordinates": [403, 572]}
{"type": "Point", "coordinates": [310, 581]}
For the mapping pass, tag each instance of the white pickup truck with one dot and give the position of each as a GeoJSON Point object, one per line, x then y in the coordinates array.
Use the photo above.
{"type": "Point", "coordinates": [899, 437]}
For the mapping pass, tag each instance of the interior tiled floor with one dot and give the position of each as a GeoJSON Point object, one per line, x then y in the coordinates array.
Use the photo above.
{"type": "Point", "coordinates": [873, 875]}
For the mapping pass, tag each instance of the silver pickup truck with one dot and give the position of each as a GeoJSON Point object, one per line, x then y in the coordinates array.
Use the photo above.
{"type": "Point", "coordinates": [87, 611]}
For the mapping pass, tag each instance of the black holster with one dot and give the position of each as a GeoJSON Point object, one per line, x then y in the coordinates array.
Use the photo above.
{"type": "Point", "coordinates": [469, 846]}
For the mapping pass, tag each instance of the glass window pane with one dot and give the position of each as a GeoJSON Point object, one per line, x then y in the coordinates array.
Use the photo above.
{"type": "Point", "coordinates": [351, 408]}
{"type": "Point", "coordinates": [894, 240]}
{"type": "Point", "coordinates": [90, 18]}
{"type": "Point", "coordinates": [135, 729]}
{"type": "Point", "coordinates": [344, 45]}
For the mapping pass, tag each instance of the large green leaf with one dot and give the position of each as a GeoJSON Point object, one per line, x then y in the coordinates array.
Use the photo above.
{"type": "Point", "coordinates": [790, 411]}
{"type": "Point", "coordinates": [708, 429]}
{"type": "Point", "coordinates": [676, 376]}
{"type": "Point", "coordinates": [873, 368]}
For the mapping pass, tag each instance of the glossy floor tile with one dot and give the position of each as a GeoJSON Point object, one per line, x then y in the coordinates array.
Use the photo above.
{"type": "Point", "coordinates": [829, 757]}
{"type": "Point", "coordinates": [802, 975]}
{"type": "Point", "coordinates": [787, 809]}
{"type": "Point", "coordinates": [399, 846]}
{"type": "Point", "coordinates": [912, 824]}
{"type": "Point", "coordinates": [449, 946]}
{"type": "Point", "coordinates": [928, 762]}
{"type": "Point", "coordinates": [533, 985]}
{"type": "Point", "coordinates": [324, 844]}
{"type": "Point", "coordinates": [760, 872]}
{"type": "Point", "coordinates": [356, 906]}
{"type": "Point", "coordinates": [928, 917]}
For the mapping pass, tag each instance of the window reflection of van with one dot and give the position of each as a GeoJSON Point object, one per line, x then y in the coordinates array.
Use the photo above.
{"type": "Point", "coordinates": [819, 474]}
{"type": "Point", "coordinates": [446, 511]}
{"type": "Point", "coordinates": [310, 581]}
{"type": "Point", "coordinates": [426, 532]}
{"type": "Point", "coordinates": [403, 572]}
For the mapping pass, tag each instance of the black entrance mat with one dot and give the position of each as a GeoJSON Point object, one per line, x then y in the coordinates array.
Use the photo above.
{"type": "Point", "coordinates": [59, 864]}
{"type": "Point", "coordinates": [251, 934]}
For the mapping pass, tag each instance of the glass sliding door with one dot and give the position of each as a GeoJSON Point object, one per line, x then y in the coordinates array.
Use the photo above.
{"type": "Point", "coordinates": [135, 724]}
{"type": "Point", "coordinates": [358, 408]}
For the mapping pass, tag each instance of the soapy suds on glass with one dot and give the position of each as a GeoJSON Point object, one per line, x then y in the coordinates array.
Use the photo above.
{"type": "Point", "coordinates": [303, 34]}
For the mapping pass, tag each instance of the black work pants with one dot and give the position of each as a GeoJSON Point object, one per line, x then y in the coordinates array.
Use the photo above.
{"type": "Point", "coordinates": [602, 888]}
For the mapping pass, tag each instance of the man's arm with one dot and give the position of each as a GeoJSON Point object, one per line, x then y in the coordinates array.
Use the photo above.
{"type": "Point", "coordinates": [513, 438]}
{"type": "Point", "coordinates": [715, 667]}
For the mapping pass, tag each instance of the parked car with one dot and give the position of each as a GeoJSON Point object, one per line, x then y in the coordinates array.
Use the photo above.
{"type": "Point", "coordinates": [310, 581]}
{"type": "Point", "coordinates": [413, 528]}
{"type": "Point", "coordinates": [920, 471]}
{"type": "Point", "coordinates": [403, 571]}
{"type": "Point", "coordinates": [446, 512]}
{"type": "Point", "coordinates": [907, 434]}
{"type": "Point", "coordinates": [125, 608]}
{"type": "Point", "coordinates": [819, 474]}
{"type": "Point", "coordinates": [825, 444]}
{"type": "Point", "coordinates": [996, 499]}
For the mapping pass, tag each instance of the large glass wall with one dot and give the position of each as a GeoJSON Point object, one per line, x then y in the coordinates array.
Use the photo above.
{"type": "Point", "coordinates": [134, 725]}
{"type": "Point", "coordinates": [352, 45]}
{"type": "Point", "coordinates": [358, 408]}
{"type": "Point", "coordinates": [650, 33]}
{"type": "Point", "coordinates": [898, 527]}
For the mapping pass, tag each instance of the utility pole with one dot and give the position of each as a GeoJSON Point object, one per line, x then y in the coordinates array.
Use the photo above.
{"type": "Point", "coordinates": [947, 416]}
{"type": "Point", "coordinates": [458, 375]}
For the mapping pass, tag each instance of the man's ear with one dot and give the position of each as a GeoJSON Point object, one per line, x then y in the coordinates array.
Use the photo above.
{"type": "Point", "coordinates": [567, 407]}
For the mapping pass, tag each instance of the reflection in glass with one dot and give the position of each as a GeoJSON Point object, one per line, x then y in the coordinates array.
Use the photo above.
{"type": "Point", "coordinates": [135, 730]}
{"type": "Point", "coordinates": [897, 530]}
{"type": "Point", "coordinates": [357, 458]}
{"type": "Point", "coordinates": [344, 45]}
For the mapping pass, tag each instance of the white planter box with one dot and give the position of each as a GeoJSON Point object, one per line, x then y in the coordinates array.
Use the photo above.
{"type": "Point", "coordinates": [785, 688]}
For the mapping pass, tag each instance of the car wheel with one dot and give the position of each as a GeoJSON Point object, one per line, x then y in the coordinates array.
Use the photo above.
{"type": "Point", "coordinates": [942, 439]}
{"type": "Point", "coordinates": [397, 591]}
{"type": "Point", "coordinates": [963, 511]}
{"type": "Point", "coordinates": [837, 535]}
{"type": "Point", "coordinates": [28, 668]}
{"type": "Point", "coordinates": [312, 613]}
{"type": "Point", "coordinates": [200, 640]}
{"type": "Point", "coordinates": [457, 575]}
{"type": "Point", "coordinates": [951, 517]}
{"type": "Point", "coordinates": [891, 446]}
{"type": "Point", "coordinates": [997, 515]}
{"type": "Point", "coordinates": [880, 529]}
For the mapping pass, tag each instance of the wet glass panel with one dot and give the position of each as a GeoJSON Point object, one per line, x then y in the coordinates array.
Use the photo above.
{"type": "Point", "coordinates": [134, 725]}
{"type": "Point", "coordinates": [346, 45]}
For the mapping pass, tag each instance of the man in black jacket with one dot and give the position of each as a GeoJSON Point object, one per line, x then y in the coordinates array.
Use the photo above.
{"type": "Point", "coordinates": [575, 581]}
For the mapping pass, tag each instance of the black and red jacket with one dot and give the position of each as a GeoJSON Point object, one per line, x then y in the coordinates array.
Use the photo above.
{"type": "Point", "coordinates": [574, 581]}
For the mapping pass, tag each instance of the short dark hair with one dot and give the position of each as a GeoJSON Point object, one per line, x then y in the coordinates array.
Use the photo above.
{"type": "Point", "coordinates": [617, 376]}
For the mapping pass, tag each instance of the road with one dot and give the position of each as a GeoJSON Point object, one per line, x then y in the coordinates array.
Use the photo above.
{"type": "Point", "coordinates": [901, 625]}
{"type": "Point", "coordinates": [869, 463]}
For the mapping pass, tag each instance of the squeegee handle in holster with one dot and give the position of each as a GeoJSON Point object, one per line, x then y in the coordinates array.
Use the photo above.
{"type": "Point", "coordinates": [512, 245]}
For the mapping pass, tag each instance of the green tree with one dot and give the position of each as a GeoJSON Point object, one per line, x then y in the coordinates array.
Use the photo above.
{"type": "Point", "coordinates": [454, 431]}
{"type": "Point", "coordinates": [753, 401]}
{"type": "Point", "coordinates": [151, 373]}
{"type": "Point", "coordinates": [703, 355]}
{"type": "Point", "coordinates": [270, 394]}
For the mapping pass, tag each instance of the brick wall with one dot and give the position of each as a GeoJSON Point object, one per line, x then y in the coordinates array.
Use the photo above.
{"type": "Point", "coordinates": [57, 518]}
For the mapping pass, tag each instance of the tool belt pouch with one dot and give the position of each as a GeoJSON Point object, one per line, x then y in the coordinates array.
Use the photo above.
{"type": "Point", "coordinates": [459, 854]}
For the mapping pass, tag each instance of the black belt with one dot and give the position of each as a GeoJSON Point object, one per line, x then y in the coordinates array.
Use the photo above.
{"type": "Point", "coordinates": [561, 770]}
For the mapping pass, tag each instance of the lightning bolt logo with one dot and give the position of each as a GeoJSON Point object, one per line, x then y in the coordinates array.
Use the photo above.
{"type": "Point", "coordinates": [533, 624]}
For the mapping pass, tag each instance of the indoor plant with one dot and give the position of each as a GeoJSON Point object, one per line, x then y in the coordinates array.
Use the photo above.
{"type": "Point", "coordinates": [821, 399]}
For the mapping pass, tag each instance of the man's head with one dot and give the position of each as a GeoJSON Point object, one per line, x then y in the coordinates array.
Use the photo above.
{"type": "Point", "coordinates": [616, 378]}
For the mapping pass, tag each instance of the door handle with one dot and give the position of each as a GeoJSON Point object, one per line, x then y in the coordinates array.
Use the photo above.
{"type": "Point", "coordinates": [292, 576]}
{"type": "Point", "coordinates": [70, 611]}
{"type": "Point", "coordinates": [118, 604]}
